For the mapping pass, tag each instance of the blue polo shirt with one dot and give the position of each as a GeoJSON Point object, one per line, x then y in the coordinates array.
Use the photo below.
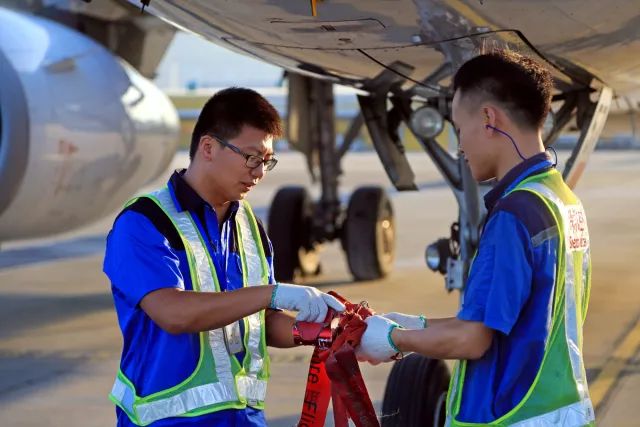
{"type": "Point", "coordinates": [510, 290]}
{"type": "Point", "coordinates": [145, 253]}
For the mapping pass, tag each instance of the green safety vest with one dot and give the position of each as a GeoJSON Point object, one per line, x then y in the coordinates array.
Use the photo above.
{"type": "Point", "coordinates": [219, 381]}
{"type": "Point", "coordinates": [558, 395]}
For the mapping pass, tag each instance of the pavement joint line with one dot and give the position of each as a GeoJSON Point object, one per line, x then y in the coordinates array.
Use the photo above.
{"type": "Point", "coordinates": [612, 370]}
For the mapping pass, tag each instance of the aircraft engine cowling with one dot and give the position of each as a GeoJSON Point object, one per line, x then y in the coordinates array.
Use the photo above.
{"type": "Point", "coordinates": [80, 130]}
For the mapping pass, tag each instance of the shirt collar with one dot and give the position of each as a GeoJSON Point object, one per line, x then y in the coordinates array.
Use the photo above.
{"type": "Point", "coordinates": [533, 165]}
{"type": "Point", "coordinates": [187, 197]}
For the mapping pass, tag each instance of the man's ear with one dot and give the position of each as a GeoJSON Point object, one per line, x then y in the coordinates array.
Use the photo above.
{"type": "Point", "coordinates": [206, 147]}
{"type": "Point", "coordinates": [489, 118]}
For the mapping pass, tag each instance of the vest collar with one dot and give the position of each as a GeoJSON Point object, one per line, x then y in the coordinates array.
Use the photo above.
{"type": "Point", "coordinates": [533, 165]}
{"type": "Point", "coordinates": [187, 198]}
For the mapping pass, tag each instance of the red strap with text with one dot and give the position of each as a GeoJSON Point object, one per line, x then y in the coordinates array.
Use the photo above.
{"type": "Point", "coordinates": [334, 373]}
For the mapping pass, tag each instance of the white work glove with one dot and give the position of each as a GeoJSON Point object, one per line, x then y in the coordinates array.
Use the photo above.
{"type": "Point", "coordinates": [311, 304]}
{"type": "Point", "coordinates": [376, 345]}
{"type": "Point", "coordinates": [407, 321]}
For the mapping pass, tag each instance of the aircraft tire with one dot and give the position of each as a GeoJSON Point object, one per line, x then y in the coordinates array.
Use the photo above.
{"type": "Point", "coordinates": [289, 225]}
{"type": "Point", "coordinates": [368, 234]}
{"type": "Point", "coordinates": [415, 393]}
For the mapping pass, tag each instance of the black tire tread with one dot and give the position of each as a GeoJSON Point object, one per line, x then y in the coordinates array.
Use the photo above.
{"type": "Point", "coordinates": [359, 239]}
{"type": "Point", "coordinates": [284, 228]}
{"type": "Point", "coordinates": [412, 392]}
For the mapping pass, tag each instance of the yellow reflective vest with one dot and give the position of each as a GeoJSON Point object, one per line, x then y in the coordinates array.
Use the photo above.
{"type": "Point", "coordinates": [219, 381]}
{"type": "Point", "coordinates": [558, 395]}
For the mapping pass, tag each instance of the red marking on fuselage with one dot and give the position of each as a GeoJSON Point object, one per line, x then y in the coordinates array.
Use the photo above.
{"type": "Point", "coordinates": [66, 149]}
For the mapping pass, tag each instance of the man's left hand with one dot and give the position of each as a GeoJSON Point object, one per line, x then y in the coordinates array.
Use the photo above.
{"type": "Point", "coordinates": [376, 345]}
{"type": "Point", "coordinates": [407, 321]}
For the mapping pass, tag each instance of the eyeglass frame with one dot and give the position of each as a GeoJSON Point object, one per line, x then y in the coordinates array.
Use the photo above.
{"type": "Point", "coordinates": [264, 162]}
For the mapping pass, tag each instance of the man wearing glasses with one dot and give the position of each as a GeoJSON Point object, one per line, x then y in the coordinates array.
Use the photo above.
{"type": "Point", "coordinates": [191, 273]}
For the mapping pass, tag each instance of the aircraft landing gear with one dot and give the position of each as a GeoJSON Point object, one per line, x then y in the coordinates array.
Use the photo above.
{"type": "Point", "coordinates": [366, 231]}
{"type": "Point", "coordinates": [299, 226]}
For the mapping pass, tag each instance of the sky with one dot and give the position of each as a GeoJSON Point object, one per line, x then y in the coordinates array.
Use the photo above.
{"type": "Point", "coordinates": [191, 59]}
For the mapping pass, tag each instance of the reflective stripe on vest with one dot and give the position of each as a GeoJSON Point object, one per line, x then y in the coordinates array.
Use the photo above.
{"type": "Point", "coordinates": [576, 414]}
{"type": "Point", "coordinates": [574, 279]}
{"type": "Point", "coordinates": [255, 273]}
{"type": "Point", "coordinates": [188, 400]}
{"type": "Point", "coordinates": [237, 390]}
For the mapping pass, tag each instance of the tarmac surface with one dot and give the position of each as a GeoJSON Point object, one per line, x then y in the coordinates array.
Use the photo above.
{"type": "Point", "coordinates": [60, 343]}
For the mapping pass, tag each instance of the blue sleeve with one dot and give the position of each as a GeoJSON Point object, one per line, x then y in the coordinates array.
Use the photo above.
{"type": "Point", "coordinates": [138, 259]}
{"type": "Point", "coordinates": [500, 279]}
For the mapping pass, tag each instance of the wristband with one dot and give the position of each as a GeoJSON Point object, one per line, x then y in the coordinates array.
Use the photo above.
{"type": "Point", "coordinates": [424, 321]}
{"type": "Point", "coordinates": [273, 296]}
{"type": "Point", "coordinates": [391, 343]}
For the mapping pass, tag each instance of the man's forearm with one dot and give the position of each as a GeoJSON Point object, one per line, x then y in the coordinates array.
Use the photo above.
{"type": "Point", "coordinates": [178, 311]}
{"type": "Point", "coordinates": [280, 329]}
{"type": "Point", "coordinates": [449, 338]}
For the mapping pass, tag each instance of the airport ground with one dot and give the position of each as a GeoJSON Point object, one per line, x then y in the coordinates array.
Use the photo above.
{"type": "Point", "coordinates": [60, 343]}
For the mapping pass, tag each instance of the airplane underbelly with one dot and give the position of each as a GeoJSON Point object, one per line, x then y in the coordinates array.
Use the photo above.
{"type": "Point", "coordinates": [349, 40]}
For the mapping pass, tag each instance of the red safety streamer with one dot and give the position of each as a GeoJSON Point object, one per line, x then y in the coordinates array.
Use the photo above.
{"type": "Point", "coordinates": [334, 373]}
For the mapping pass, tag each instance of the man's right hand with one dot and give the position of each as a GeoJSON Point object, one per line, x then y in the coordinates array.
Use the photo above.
{"type": "Point", "coordinates": [376, 345]}
{"type": "Point", "coordinates": [311, 304]}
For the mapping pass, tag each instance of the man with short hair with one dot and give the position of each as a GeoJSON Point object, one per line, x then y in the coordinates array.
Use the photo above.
{"type": "Point", "coordinates": [518, 334]}
{"type": "Point", "coordinates": [191, 273]}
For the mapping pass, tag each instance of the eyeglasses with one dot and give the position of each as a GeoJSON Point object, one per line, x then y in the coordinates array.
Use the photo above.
{"type": "Point", "coordinates": [252, 161]}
